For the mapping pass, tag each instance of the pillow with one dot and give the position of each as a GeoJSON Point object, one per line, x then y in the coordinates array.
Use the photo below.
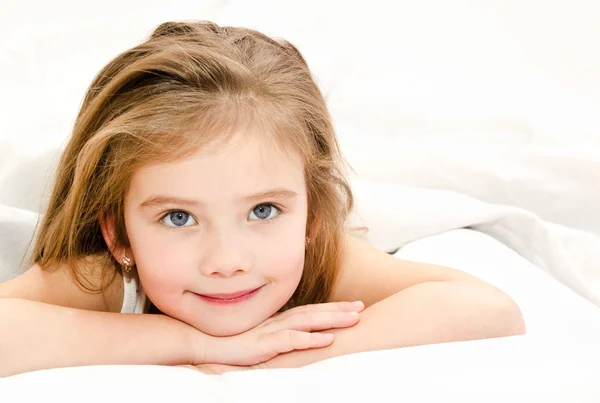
{"type": "Point", "coordinates": [26, 173]}
{"type": "Point", "coordinates": [559, 184]}
{"type": "Point", "coordinates": [17, 227]}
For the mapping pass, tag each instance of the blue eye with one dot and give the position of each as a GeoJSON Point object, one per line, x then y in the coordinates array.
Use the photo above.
{"type": "Point", "coordinates": [178, 219]}
{"type": "Point", "coordinates": [264, 212]}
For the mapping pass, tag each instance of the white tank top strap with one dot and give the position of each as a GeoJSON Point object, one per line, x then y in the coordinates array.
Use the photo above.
{"type": "Point", "coordinates": [134, 297]}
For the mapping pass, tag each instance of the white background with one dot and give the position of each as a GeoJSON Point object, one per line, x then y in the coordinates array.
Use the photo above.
{"type": "Point", "coordinates": [514, 71]}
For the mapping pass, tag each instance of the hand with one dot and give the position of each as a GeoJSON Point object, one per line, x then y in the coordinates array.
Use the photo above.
{"type": "Point", "coordinates": [295, 329]}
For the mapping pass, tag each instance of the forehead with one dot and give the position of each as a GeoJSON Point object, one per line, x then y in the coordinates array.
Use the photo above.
{"type": "Point", "coordinates": [245, 165]}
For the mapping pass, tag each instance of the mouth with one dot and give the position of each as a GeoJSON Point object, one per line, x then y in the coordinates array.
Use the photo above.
{"type": "Point", "coordinates": [230, 298]}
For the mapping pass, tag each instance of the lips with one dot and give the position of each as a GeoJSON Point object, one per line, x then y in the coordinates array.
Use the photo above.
{"type": "Point", "coordinates": [232, 295]}
{"type": "Point", "coordinates": [232, 298]}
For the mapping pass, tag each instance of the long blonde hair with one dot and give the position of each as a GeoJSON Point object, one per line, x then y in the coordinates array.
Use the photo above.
{"type": "Point", "coordinates": [147, 105]}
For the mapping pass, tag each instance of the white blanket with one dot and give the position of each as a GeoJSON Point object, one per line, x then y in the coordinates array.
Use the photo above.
{"type": "Point", "coordinates": [396, 215]}
{"type": "Point", "coordinates": [474, 372]}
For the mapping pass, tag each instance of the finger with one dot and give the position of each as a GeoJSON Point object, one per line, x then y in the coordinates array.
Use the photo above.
{"type": "Point", "coordinates": [356, 306]}
{"type": "Point", "coordinates": [289, 340]}
{"type": "Point", "coordinates": [315, 321]}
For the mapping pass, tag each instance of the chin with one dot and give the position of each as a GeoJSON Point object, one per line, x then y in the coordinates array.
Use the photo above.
{"type": "Point", "coordinates": [219, 323]}
{"type": "Point", "coordinates": [227, 328]}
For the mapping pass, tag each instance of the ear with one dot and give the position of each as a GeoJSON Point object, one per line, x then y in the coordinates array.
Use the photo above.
{"type": "Point", "coordinates": [107, 226]}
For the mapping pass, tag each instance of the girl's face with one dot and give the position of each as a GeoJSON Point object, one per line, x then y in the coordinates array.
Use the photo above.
{"type": "Point", "coordinates": [219, 238]}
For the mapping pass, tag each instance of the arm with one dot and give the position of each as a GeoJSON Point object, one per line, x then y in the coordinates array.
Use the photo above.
{"type": "Point", "coordinates": [409, 304]}
{"type": "Point", "coordinates": [42, 328]}
{"type": "Point", "coordinates": [47, 321]}
{"type": "Point", "coordinates": [426, 313]}
{"type": "Point", "coordinates": [33, 337]}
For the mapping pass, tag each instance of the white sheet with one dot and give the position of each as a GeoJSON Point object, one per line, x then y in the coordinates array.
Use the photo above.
{"type": "Point", "coordinates": [503, 370]}
{"type": "Point", "coordinates": [551, 310]}
{"type": "Point", "coordinates": [559, 184]}
{"type": "Point", "coordinates": [396, 215]}
{"type": "Point", "coordinates": [558, 361]}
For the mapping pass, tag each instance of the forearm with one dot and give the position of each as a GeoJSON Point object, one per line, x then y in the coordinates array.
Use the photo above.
{"type": "Point", "coordinates": [427, 313]}
{"type": "Point", "coordinates": [38, 336]}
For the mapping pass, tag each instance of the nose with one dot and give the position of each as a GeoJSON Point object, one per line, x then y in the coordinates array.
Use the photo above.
{"type": "Point", "coordinates": [224, 258]}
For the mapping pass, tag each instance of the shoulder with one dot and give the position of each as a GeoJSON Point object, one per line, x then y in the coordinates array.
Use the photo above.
{"type": "Point", "coordinates": [371, 275]}
{"type": "Point", "coordinates": [57, 286]}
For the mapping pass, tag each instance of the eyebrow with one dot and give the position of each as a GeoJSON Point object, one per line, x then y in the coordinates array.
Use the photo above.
{"type": "Point", "coordinates": [159, 200]}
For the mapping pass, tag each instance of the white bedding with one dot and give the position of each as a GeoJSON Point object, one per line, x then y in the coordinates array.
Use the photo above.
{"type": "Point", "coordinates": [396, 215]}
{"type": "Point", "coordinates": [499, 371]}
{"type": "Point", "coordinates": [557, 361]}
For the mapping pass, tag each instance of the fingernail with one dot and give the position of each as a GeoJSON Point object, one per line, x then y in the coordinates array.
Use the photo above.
{"type": "Point", "coordinates": [326, 336]}
{"type": "Point", "coordinates": [358, 304]}
{"type": "Point", "coordinates": [353, 314]}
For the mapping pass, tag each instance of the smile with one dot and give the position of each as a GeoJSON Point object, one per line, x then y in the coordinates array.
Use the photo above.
{"type": "Point", "coordinates": [232, 298]}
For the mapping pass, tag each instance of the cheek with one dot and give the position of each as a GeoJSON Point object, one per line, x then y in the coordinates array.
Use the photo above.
{"type": "Point", "coordinates": [163, 264]}
{"type": "Point", "coordinates": [283, 263]}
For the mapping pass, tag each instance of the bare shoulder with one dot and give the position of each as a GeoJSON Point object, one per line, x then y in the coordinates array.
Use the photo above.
{"type": "Point", "coordinates": [371, 275]}
{"type": "Point", "coordinates": [57, 286]}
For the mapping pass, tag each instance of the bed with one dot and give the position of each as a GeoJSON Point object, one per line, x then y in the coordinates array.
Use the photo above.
{"type": "Point", "coordinates": [473, 144]}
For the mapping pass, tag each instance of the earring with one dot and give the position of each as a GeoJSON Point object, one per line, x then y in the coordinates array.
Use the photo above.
{"type": "Point", "coordinates": [126, 264]}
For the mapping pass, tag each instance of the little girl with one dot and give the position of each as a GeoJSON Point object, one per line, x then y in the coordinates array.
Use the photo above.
{"type": "Point", "coordinates": [202, 188]}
